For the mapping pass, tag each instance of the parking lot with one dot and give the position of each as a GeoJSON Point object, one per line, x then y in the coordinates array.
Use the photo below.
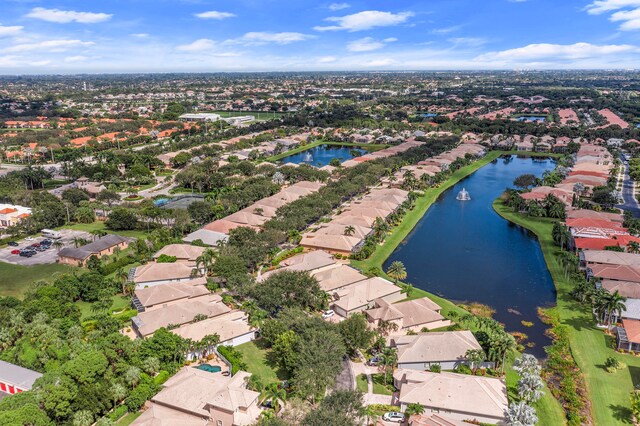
{"type": "Point", "coordinates": [43, 257]}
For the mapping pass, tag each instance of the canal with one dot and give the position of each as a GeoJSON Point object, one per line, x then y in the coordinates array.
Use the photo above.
{"type": "Point", "coordinates": [464, 252]}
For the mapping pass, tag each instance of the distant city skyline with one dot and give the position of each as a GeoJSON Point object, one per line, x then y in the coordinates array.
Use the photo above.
{"type": "Point", "coordinates": [67, 36]}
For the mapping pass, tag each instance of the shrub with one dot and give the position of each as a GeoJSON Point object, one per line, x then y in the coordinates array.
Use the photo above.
{"type": "Point", "coordinates": [234, 356]}
{"type": "Point", "coordinates": [462, 369]}
{"type": "Point", "coordinates": [612, 364]}
{"type": "Point", "coordinates": [162, 377]}
{"type": "Point", "coordinates": [435, 368]}
{"type": "Point", "coordinates": [118, 412]}
{"type": "Point", "coordinates": [139, 396]}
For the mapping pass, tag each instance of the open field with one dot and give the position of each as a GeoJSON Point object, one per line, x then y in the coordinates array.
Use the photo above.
{"type": "Point", "coordinates": [259, 115]}
{"type": "Point", "coordinates": [590, 346]}
{"type": "Point", "coordinates": [15, 279]}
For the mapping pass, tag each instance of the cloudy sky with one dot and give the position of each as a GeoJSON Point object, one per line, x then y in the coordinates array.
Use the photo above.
{"type": "Point", "coordinates": [71, 36]}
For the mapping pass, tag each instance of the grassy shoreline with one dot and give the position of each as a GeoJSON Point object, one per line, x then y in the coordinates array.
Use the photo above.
{"type": "Point", "coordinates": [548, 408]}
{"type": "Point", "coordinates": [590, 346]}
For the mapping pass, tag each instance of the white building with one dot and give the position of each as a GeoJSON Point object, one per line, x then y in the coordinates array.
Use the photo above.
{"type": "Point", "coordinates": [205, 116]}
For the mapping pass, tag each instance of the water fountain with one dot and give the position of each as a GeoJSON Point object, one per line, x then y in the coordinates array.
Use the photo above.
{"type": "Point", "coordinates": [463, 195]}
{"type": "Point", "coordinates": [308, 158]}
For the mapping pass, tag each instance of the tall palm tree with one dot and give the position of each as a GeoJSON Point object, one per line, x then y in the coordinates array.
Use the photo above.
{"type": "Point", "coordinates": [614, 305]}
{"type": "Point", "coordinates": [388, 360]}
{"type": "Point", "coordinates": [58, 245]}
{"type": "Point", "coordinates": [633, 247]}
{"type": "Point", "coordinates": [206, 260]}
{"type": "Point", "coordinates": [397, 271]}
{"type": "Point", "coordinates": [123, 277]}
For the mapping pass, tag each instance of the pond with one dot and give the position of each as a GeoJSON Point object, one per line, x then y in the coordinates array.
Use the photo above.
{"type": "Point", "coordinates": [531, 118]}
{"type": "Point", "coordinates": [464, 252]}
{"type": "Point", "coordinates": [322, 155]}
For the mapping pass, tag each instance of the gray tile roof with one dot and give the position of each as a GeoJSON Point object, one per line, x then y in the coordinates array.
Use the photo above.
{"type": "Point", "coordinates": [18, 376]}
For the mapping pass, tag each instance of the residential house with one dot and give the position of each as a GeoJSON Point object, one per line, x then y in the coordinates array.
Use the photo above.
{"type": "Point", "coordinates": [460, 397]}
{"type": "Point", "coordinates": [411, 315]}
{"type": "Point", "coordinates": [104, 246]}
{"type": "Point", "coordinates": [195, 397]}
{"type": "Point", "coordinates": [447, 349]}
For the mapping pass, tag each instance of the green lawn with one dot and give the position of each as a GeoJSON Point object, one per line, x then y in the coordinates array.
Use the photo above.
{"type": "Point", "coordinates": [119, 303]}
{"type": "Point", "coordinates": [256, 356]}
{"type": "Point", "coordinates": [608, 392]}
{"type": "Point", "coordinates": [361, 383]}
{"type": "Point", "coordinates": [378, 384]}
{"type": "Point", "coordinates": [128, 418]}
{"type": "Point", "coordinates": [15, 279]}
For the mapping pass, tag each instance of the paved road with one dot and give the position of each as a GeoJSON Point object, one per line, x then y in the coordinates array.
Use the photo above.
{"type": "Point", "coordinates": [630, 202]}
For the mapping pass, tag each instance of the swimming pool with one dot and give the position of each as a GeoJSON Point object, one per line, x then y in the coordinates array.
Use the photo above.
{"type": "Point", "coordinates": [209, 368]}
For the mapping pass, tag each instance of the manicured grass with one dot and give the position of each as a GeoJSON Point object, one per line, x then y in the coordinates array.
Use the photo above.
{"type": "Point", "coordinates": [361, 383]}
{"type": "Point", "coordinates": [258, 361]}
{"type": "Point", "coordinates": [368, 147]}
{"type": "Point", "coordinates": [128, 418]}
{"type": "Point", "coordinates": [378, 384]}
{"type": "Point", "coordinates": [120, 302]}
{"type": "Point", "coordinates": [590, 346]}
{"type": "Point", "coordinates": [15, 279]}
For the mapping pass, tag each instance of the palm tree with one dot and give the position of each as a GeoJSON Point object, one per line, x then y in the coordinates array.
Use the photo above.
{"type": "Point", "coordinates": [475, 357]}
{"type": "Point", "coordinates": [275, 395]}
{"type": "Point", "coordinates": [414, 408]}
{"type": "Point", "coordinates": [206, 260]}
{"type": "Point", "coordinates": [388, 360]}
{"type": "Point", "coordinates": [614, 305]}
{"type": "Point", "coordinates": [397, 271]}
{"type": "Point", "coordinates": [58, 245]}
{"type": "Point", "coordinates": [123, 277]}
{"type": "Point", "coordinates": [633, 247]}
{"type": "Point", "coordinates": [349, 230]}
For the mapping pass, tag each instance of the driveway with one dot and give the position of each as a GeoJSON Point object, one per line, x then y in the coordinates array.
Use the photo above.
{"type": "Point", "coordinates": [41, 257]}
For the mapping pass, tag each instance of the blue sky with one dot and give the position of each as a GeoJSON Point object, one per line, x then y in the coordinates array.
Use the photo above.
{"type": "Point", "coordinates": [70, 36]}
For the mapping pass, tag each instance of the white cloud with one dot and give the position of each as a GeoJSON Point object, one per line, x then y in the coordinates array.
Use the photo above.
{"type": "Point", "coordinates": [446, 30]}
{"type": "Point", "coordinates": [468, 41]}
{"type": "Point", "coordinates": [338, 6]}
{"type": "Point", "coordinates": [66, 16]}
{"type": "Point", "coordinates": [365, 20]}
{"type": "Point", "coordinates": [197, 46]}
{"type": "Point", "coordinates": [214, 14]}
{"type": "Point", "coordinates": [368, 44]}
{"type": "Point", "coordinates": [630, 19]}
{"type": "Point", "coordinates": [6, 31]}
{"type": "Point", "coordinates": [49, 46]}
{"type": "Point", "coordinates": [327, 59]}
{"type": "Point", "coordinates": [139, 35]}
{"type": "Point", "coordinates": [557, 52]}
{"type": "Point", "coordinates": [77, 58]}
{"type": "Point", "coordinates": [258, 38]}
{"type": "Point", "coordinates": [601, 6]}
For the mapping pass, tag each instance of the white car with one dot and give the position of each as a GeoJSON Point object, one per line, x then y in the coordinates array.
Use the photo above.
{"type": "Point", "coordinates": [393, 416]}
{"type": "Point", "coordinates": [29, 239]}
{"type": "Point", "coordinates": [328, 314]}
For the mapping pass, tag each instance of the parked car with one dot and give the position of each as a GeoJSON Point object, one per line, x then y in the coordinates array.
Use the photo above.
{"type": "Point", "coordinates": [13, 244]}
{"type": "Point", "coordinates": [29, 239]}
{"type": "Point", "coordinates": [328, 314]}
{"type": "Point", "coordinates": [393, 416]}
{"type": "Point", "coordinates": [15, 251]}
{"type": "Point", "coordinates": [374, 361]}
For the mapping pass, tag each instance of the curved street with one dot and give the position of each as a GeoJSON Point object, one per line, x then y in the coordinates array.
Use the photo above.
{"type": "Point", "coordinates": [628, 191]}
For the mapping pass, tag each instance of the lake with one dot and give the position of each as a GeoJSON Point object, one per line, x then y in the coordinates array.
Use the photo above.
{"type": "Point", "coordinates": [465, 252]}
{"type": "Point", "coordinates": [322, 155]}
